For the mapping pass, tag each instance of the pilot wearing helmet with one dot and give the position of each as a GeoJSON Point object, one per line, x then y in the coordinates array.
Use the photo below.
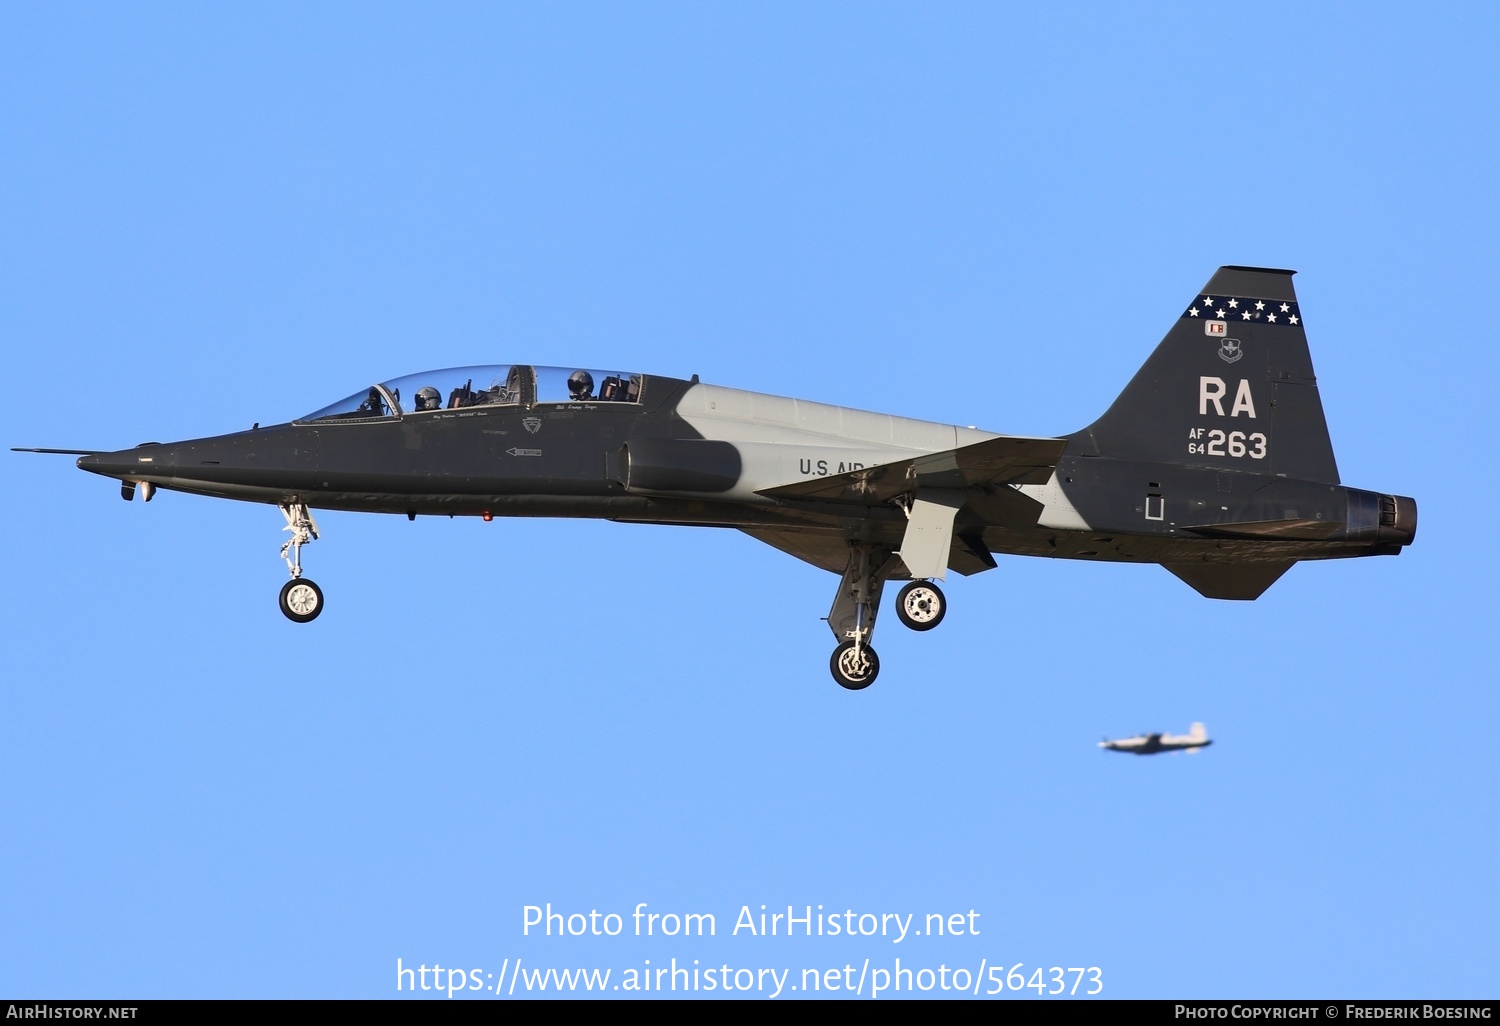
{"type": "Point", "coordinates": [429, 399]}
{"type": "Point", "coordinates": [374, 404]}
{"type": "Point", "coordinates": [580, 385]}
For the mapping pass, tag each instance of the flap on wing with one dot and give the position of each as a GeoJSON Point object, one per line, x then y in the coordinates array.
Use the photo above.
{"type": "Point", "coordinates": [995, 461]}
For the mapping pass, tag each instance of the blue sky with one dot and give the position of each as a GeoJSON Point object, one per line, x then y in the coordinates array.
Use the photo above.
{"type": "Point", "coordinates": [977, 214]}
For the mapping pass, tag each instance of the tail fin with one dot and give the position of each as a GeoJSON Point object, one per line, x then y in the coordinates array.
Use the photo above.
{"type": "Point", "coordinates": [1198, 732]}
{"type": "Point", "coordinates": [1231, 387]}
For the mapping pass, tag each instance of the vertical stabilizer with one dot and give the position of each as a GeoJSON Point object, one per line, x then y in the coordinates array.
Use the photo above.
{"type": "Point", "coordinates": [1231, 387]}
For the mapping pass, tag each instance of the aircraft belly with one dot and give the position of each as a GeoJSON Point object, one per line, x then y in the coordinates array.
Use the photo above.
{"type": "Point", "coordinates": [227, 490]}
{"type": "Point", "coordinates": [1123, 547]}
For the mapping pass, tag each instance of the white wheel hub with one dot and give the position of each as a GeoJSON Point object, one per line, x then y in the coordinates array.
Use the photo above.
{"type": "Point", "coordinates": [922, 605]}
{"type": "Point", "coordinates": [301, 599]}
{"type": "Point", "coordinates": [854, 664]}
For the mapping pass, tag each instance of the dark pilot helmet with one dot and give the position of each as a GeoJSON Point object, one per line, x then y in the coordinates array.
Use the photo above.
{"type": "Point", "coordinates": [580, 384]}
{"type": "Point", "coordinates": [428, 398]}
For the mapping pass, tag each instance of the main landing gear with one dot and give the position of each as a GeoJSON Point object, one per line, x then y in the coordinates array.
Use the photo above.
{"type": "Point", "coordinates": [920, 606]}
{"type": "Point", "coordinates": [301, 600]}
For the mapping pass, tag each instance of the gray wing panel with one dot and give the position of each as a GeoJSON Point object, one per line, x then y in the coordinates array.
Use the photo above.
{"type": "Point", "coordinates": [826, 550]}
{"type": "Point", "coordinates": [994, 461]}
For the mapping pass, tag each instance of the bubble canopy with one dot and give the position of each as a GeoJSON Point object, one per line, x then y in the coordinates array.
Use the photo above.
{"type": "Point", "coordinates": [490, 385]}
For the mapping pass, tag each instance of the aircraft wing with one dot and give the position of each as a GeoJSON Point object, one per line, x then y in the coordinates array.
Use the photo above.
{"type": "Point", "coordinates": [826, 550]}
{"type": "Point", "coordinates": [995, 461]}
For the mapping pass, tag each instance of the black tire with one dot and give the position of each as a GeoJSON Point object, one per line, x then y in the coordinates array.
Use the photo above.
{"type": "Point", "coordinates": [301, 600]}
{"type": "Point", "coordinates": [848, 676]}
{"type": "Point", "coordinates": [921, 605]}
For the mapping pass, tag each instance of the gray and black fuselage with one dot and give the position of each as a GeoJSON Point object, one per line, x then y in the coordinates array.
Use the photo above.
{"type": "Point", "coordinates": [691, 453]}
{"type": "Point", "coordinates": [1215, 462]}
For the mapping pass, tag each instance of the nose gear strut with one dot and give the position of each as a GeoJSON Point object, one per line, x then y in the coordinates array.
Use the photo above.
{"type": "Point", "coordinates": [301, 600]}
{"type": "Point", "coordinates": [852, 619]}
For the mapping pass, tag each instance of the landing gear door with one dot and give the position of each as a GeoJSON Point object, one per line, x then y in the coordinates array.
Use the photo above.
{"type": "Point", "coordinates": [929, 532]}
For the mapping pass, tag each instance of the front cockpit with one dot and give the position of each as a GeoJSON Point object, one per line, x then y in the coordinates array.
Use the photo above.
{"type": "Point", "coordinates": [455, 388]}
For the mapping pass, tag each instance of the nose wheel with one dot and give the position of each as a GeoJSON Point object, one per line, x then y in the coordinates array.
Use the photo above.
{"type": "Point", "coordinates": [854, 666]}
{"type": "Point", "coordinates": [921, 605]}
{"type": "Point", "coordinates": [301, 600]}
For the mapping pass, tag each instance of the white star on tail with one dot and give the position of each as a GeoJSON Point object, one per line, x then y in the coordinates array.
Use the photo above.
{"type": "Point", "coordinates": [1292, 319]}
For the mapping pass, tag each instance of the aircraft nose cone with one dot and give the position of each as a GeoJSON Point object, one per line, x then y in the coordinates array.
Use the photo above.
{"type": "Point", "coordinates": [279, 458]}
{"type": "Point", "coordinates": [127, 462]}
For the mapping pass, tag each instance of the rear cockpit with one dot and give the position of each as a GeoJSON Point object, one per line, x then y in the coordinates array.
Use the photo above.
{"type": "Point", "coordinates": [516, 385]}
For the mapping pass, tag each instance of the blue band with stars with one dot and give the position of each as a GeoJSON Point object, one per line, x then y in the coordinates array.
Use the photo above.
{"type": "Point", "coordinates": [1238, 309]}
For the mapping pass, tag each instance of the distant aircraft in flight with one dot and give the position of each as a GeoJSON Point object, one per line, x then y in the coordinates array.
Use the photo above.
{"type": "Point", "coordinates": [1151, 744]}
{"type": "Point", "coordinates": [1214, 462]}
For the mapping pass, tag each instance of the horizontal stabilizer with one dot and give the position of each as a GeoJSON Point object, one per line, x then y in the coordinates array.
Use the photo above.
{"type": "Point", "coordinates": [1245, 581]}
{"type": "Point", "coordinates": [995, 461]}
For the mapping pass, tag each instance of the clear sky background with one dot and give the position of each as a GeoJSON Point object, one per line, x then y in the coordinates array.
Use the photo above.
{"type": "Point", "coordinates": [978, 214]}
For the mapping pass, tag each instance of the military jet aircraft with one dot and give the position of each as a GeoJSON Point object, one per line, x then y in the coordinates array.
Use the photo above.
{"type": "Point", "coordinates": [1150, 744]}
{"type": "Point", "coordinates": [1215, 462]}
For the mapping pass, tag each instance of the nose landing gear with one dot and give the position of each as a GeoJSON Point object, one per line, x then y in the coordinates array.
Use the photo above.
{"type": "Point", "coordinates": [301, 600]}
{"type": "Point", "coordinates": [854, 664]}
